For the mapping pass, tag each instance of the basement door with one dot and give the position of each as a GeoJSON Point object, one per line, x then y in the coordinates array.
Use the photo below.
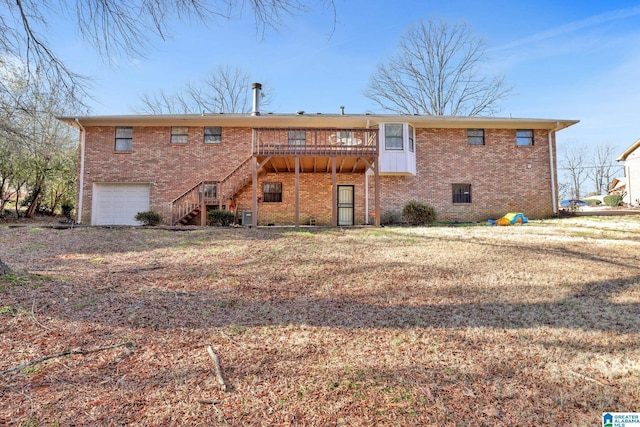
{"type": "Point", "coordinates": [345, 205]}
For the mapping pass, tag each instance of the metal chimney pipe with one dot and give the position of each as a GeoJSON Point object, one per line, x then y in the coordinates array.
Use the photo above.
{"type": "Point", "coordinates": [257, 93]}
{"type": "Point", "coordinates": [342, 110]}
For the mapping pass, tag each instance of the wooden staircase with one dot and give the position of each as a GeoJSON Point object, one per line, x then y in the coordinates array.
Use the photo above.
{"type": "Point", "coordinates": [210, 193]}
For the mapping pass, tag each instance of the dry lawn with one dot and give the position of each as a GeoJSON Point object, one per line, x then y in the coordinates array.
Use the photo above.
{"type": "Point", "coordinates": [527, 325]}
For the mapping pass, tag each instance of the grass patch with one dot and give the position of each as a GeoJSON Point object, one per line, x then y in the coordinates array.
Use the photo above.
{"type": "Point", "coordinates": [440, 325]}
{"type": "Point", "coordinates": [6, 310]}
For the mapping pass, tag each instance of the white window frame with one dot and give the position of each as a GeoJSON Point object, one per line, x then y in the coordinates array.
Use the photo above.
{"type": "Point", "coordinates": [387, 137]}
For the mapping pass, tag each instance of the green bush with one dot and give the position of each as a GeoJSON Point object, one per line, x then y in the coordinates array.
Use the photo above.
{"type": "Point", "coordinates": [417, 213]}
{"type": "Point", "coordinates": [592, 202]}
{"type": "Point", "coordinates": [149, 218]}
{"type": "Point", "coordinates": [613, 200]}
{"type": "Point", "coordinates": [221, 218]}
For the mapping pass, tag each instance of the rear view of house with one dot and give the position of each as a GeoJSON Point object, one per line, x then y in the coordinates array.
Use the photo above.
{"type": "Point", "coordinates": [322, 169]}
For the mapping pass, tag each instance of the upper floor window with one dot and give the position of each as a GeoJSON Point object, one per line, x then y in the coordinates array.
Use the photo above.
{"type": "Point", "coordinates": [271, 192]}
{"type": "Point", "coordinates": [393, 136]}
{"type": "Point", "coordinates": [297, 137]}
{"type": "Point", "coordinates": [461, 193]}
{"type": "Point", "coordinates": [524, 137]}
{"type": "Point", "coordinates": [411, 137]}
{"type": "Point", "coordinates": [124, 138]}
{"type": "Point", "coordinates": [179, 134]}
{"type": "Point", "coordinates": [212, 135]}
{"type": "Point", "coordinates": [475, 136]}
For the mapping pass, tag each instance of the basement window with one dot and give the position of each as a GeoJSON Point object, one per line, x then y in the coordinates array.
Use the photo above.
{"type": "Point", "coordinates": [124, 138]}
{"type": "Point", "coordinates": [461, 193]}
{"type": "Point", "coordinates": [179, 134]}
{"type": "Point", "coordinates": [272, 192]}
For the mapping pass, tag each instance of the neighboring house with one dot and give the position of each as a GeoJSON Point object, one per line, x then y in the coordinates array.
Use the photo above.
{"type": "Point", "coordinates": [631, 159]}
{"type": "Point", "coordinates": [618, 187]}
{"type": "Point", "coordinates": [293, 169]}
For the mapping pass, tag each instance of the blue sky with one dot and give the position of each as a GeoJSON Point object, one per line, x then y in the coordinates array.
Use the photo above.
{"type": "Point", "coordinates": [564, 59]}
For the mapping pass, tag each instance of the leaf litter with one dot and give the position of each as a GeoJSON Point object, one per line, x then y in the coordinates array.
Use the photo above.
{"type": "Point", "coordinates": [397, 326]}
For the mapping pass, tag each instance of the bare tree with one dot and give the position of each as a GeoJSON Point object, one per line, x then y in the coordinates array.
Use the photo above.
{"type": "Point", "coordinates": [437, 70]}
{"type": "Point", "coordinates": [116, 27]}
{"type": "Point", "coordinates": [38, 145]}
{"type": "Point", "coordinates": [573, 163]}
{"type": "Point", "coordinates": [225, 89]}
{"type": "Point", "coordinates": [602, 160]}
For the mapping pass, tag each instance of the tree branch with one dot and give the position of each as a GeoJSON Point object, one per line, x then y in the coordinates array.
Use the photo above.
{"type": "Point", "coordinates": [129, 344]}
{"type": "Point", "coordinates": [218, 369]}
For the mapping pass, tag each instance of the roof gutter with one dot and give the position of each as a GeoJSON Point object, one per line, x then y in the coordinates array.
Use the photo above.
{"type": "Point", "coordinates": [81, 181]}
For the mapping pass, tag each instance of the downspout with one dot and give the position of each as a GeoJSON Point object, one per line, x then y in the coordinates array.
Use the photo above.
{"type": "Point", "coordinates": [627, 172]}
{"type": "Point", "coordinates": [366, 183]}
{"type": "Point", "coordinates": [554, 196]}
{"type": "Point", "coordinates": [81, 183]}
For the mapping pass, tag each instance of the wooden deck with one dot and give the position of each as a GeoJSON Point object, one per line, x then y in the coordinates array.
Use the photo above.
{"type": "Point", "coordinates": [316, 142]}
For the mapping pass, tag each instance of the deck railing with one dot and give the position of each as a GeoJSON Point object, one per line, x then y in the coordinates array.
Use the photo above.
{"type": "Point", "coordinates": [235, 181]}
{"type": "Point", "coordinates": [310, 141]}
{"type": "Point", "coordinates": [191, 199]}
{"type": "Point", "coordinates": [214, 192]}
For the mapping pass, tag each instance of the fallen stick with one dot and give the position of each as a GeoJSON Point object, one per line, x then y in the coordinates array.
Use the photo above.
{"type": "Point", "coordinates": [586, 378]}
{"type": "Point", "coordinates": [216, 364]}
{"type": "Point", "coordinates": [213, 403]}
{"type": "Point", "coordinates": [67, 353]}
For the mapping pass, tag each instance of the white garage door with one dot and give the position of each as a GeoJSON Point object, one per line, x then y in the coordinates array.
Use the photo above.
{"type": "Point", "coordinates": [118, 204]}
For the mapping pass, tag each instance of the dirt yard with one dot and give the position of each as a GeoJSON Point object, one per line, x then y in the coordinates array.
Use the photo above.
{"type": "Point", "coordinates": [526, 325]}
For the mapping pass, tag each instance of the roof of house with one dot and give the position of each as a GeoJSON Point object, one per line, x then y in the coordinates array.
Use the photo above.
{"type": "Point", "coordinates": [617, 183]}
{"type": "Point", "coordinates": [622, 157]}
{"type": "Point", "coordinates": [318, 120]}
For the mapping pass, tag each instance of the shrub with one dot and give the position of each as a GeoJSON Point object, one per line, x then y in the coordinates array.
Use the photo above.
{"type": "Point", "coordinates": [592, 202]}
{"type": "Point", "coordinates": [67, 208]}
{"type": "Point", "coordinates": [149, 218]}
{"type": "Point", "coordinates": [221, 218]}
{"type": "Point", "coordinates": [613, 200]}
{"type": "Point", "coordinates": [390, 217]}
{"type": "Point", "coordinates": [417, 213]}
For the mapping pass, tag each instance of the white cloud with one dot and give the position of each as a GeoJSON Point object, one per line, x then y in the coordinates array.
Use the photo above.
{"type": "Point", "coordinates": [571, 27]}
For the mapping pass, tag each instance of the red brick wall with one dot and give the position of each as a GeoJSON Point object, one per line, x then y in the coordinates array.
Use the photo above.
{"type": "Point", "coordinates": [315, 198]}
{"type": "Point", "coordinates": [503, 177]}
{"type": "Point", "coordinates": [170, 168]}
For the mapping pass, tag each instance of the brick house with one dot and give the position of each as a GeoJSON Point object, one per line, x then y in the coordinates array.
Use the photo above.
{"type": "Point", "coordinates": [323, 169]}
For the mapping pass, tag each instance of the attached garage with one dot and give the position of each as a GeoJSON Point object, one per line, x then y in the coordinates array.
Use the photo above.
{"type": "Point", "coordinates": [118, 204]}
